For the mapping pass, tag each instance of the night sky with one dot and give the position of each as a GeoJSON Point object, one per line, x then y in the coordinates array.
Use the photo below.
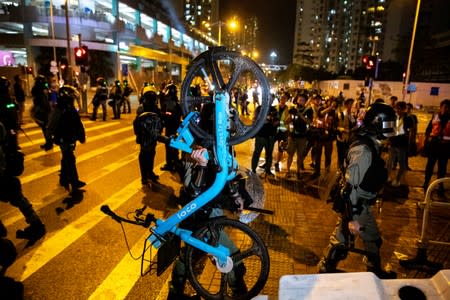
{"type": "Point", "coordinates": [276, 20]}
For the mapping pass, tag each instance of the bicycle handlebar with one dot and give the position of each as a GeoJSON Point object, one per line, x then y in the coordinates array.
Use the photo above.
{"type": "Point", "coordinates": [149, 218]}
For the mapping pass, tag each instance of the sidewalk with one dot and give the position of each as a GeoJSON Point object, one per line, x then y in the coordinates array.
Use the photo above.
{"type": "Point", "coordinates": [298, 232]}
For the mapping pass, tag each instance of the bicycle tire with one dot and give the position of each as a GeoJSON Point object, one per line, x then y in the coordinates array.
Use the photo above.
{"type": "Point", "coordinates": [249, 254]}
{"type": "Point", "coordinates": [205, 68]}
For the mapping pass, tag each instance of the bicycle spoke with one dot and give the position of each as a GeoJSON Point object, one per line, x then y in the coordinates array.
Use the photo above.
{"type": "Point", "coordinates": [249, 253]}
{"type": "Point", "coordinates": [216, 75]}
{"type": "Point", "coordinates": [235, 76]}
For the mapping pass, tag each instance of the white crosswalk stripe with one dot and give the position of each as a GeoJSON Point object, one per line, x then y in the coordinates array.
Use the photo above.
{"type": "Point", "coordinates": [31, 261]}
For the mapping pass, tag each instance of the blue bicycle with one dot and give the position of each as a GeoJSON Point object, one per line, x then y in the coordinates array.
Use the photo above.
{"type": "Point", "coordinates": [221, 249]}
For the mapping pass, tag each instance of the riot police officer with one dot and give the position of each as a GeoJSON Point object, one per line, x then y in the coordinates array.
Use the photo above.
{"type": "Point", "coordinates": [66, 128]}
{"type": "Point", "coordinates": [365, 174]}
{"type": "Point", "coordinates": [100, 97]}
{"type": "Point", "coordinates": [171, 115]}
{"type": "Point", "coordinates": [116, 99]}
{"type": "Point", "coordinates": [11, 166]}
{"type": "Point", "coordinates": [147, 126]}
{"type": "Point", "coordinates": [41, 108]}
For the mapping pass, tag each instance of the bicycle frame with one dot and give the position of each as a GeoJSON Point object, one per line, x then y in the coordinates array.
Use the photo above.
{"type": "Point", "coordinates": [227, 171]}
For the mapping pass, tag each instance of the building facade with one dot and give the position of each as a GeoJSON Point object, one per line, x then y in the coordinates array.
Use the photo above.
{"type": "Point", "coordinates": [142, 35]}
{"type": "Point", "coordinates": [334, 35]}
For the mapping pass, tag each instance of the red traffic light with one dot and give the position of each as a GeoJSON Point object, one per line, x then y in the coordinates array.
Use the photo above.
{"type": "Point", "coordinates": [365, 59]}
{"type": "Point", "coordinates": [79, 52]}
{"type": "Point", "coordinates": [81, 55]}
{"type": "Point", "coordinates": [369, 61]}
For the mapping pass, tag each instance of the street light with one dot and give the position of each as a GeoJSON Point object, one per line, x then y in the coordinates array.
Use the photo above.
{"type": "Point", "coordinates": [232, 24]}
{"type": "Point", "coordinates": [273, 57]}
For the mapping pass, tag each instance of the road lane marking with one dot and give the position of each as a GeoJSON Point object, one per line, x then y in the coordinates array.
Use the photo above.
{"type": "Point", "coordinates": [93, 139]}
{"type": "Point", "coordinates": [123, 277]}
{"type": "Point", "coordinates": [42, 140]}
{"type": "Point", "coordinates": [54, 245]}
{"type": "Point", "coordinates": [81, 158]}
{"type": "Point", "coordinates": [104, 171]}
{"type": "Point", "coordinates": [127, 272]}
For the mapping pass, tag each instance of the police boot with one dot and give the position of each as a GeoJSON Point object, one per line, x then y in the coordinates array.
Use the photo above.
{"type": "Point", "coordinates": [329, 262]}
{"type": "Point", "coordinates": [237, 282]}
{"type": "Point", "coordinates": [34, 232]}
{"type": "Point", "coordinates": [374, 266]}
{"type": "Point", "coordinates": [176, 293]}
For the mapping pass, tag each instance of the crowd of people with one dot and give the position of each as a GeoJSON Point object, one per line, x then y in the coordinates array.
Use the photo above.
{"type": "Point", "coordinates": [300, 124]}
{"type": "Point", "coordinates": [118, 98]}
{"type": "Point", "coordinates": [305, 124]}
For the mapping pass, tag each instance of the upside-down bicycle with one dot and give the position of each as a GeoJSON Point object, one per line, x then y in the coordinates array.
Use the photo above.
{"type": "Point", "coordinates": [220, 245]}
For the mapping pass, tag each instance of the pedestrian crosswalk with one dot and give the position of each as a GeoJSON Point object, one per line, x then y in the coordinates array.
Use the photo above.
{"type": "Point", "coordinates": [108, 163]}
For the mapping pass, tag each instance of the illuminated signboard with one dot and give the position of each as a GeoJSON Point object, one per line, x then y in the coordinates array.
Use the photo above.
{"type": "Point", "coordinates": [6, 58]}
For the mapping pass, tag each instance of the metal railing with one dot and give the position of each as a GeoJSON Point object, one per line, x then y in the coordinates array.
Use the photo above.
{"type": "Point", "coordinates": [426, 205]}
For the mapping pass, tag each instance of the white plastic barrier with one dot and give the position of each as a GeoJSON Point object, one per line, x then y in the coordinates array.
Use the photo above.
{"type": "Point", "coordinates": [362, 286]}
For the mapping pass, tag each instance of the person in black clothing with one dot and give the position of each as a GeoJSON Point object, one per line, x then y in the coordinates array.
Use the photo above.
{"type": "Point", "coordinates": [66, 128]}
{"type": "Point", "coordinates": [437, 141]}
{"type": "Point", "coordinates": [127, 90]}
{"type": "Point", "coordinates": [398, 150]}
{"type": "Point", "coordinates": [171, 116]}
{"type": "Point", "coordinates": [11, 166]}
{"type": "Point", "coordinates": [147, 126]}
{"type": "Point", "coordinates": [299, 119]}
{"type": "Point", "coordinates": [19, 94]}
{"type": "Point", "coordinates": [327, 133]}
{"type": "Point", "coordinates": [100, 97]}
{"type": "Point", "coordinates": [41, 109]}
{"type": "Point", "coordinates": [116, 99]}
{"type": "Point", "coordinates": [265, 138]}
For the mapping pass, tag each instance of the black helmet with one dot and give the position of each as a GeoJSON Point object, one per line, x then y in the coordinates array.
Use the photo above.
{"type": "Point", "coordinates": [117, 82]}
{"type": "Point", "coordinates": [4, 85]}
{"type": "Point", "coordinates": [382, 117]}
{"type": "Point", "coordinates": [67, 94]}
{"type": "Point", "coordinates": [101, 81]}
{"type": "Point", "coordinates": [171, 90]}
{"type": "Point", "coordinates": [41, 82]}
{"type": "Point", "coordinates": [125, 82]}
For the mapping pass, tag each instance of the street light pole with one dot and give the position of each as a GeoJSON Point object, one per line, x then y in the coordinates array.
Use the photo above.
{"type": "Point", "coordinates": [413, 37]}
{"type": "Point", "coordinates": [69, 51]}
{"type": "Point", "coordinates": [220, 34]}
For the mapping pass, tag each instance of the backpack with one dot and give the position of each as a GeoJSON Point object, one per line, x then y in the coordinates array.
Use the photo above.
{"type": "Point", "coordinates": [148, 126]}
{"type": "Point", "coordinates": [68, 128]}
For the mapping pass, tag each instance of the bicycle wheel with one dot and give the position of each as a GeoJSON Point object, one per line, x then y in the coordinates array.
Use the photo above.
{"type": "Point", "coordinates": [250, 261]}
{"type": "Point", "coordinates": [220, 70]}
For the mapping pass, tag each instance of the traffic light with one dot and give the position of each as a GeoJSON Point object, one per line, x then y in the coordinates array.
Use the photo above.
{"type": "Point", "coordinates": [369, 61]}
{"type": "Point", "coordinates": [81, 56]}
{"type": "Point", "coordinates": [29, 70]}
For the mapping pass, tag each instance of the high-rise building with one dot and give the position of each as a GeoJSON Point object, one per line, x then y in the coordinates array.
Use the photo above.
{"type": "Point", "coordinates": [334, 35]}
{"type": "Point", "coordinates": [201, 15]}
